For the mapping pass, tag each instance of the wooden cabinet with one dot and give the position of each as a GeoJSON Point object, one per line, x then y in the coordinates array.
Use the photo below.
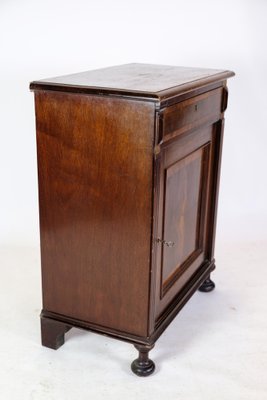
{"type": "Point", "coordinates": [128, 166]}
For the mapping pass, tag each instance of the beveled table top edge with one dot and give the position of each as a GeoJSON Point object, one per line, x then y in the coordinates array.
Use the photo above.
{"type": "Point", "coordinates": [58, 84]}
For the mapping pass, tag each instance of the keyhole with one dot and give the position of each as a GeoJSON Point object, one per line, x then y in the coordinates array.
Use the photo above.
{"type": "Point", "coordinates": [196, 107]}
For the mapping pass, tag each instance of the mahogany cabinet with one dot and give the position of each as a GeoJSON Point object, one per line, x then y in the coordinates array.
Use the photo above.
{"type": "Point", "coordinates": [128, 166]}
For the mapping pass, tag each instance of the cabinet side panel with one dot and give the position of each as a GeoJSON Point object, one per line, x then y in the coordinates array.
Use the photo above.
{"type": "Point", "coordinates": [95, 179]}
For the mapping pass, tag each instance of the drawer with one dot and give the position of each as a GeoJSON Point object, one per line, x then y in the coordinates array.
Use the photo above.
{"type": "Point", "coordinates": [191, 113]}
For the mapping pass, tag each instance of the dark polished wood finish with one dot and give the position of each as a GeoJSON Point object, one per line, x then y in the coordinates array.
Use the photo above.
{"type": "Point", "coordinates": [160, 82]}
{"type": "Point", "coordinates": [143, 366]}
{"type": "Point", "coordinates": [53, 333]}
{"type": "Point", "coordinates": [128, 166]}
{"type": "Point", "coordinates": [207, 286]}
{"type": "Point", "coordinates": [95, 175]}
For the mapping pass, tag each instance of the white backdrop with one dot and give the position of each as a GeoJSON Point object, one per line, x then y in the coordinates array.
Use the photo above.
{"type": "Point", "coordinates": [41, 39]}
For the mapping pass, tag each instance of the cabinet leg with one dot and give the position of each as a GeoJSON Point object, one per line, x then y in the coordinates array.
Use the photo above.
{"type": "Point", "coordinates": [53, 333]}
{"type": "Point", "coordinates": [143, 366]}
{"type": "Point", "coordinates": [207, 286]}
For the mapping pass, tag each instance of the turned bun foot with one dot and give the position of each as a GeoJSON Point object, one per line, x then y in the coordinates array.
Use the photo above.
{"type": "Point", "coordinates": [207, 286]}
{"type": "Point", "coordinates": [143, 366]}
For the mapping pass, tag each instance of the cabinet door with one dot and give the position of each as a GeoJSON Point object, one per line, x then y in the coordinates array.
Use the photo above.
{"type": "Point", "coordinates": [185, 200]}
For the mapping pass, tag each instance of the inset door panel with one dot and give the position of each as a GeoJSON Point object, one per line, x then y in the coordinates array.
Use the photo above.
{"type": "Point", "coordinates": [184, 181]}
{"type": "Point", "coordinates": [184, 173]}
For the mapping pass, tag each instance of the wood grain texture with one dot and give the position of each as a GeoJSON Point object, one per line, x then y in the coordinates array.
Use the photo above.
{"type": "Point", "coordinates": [95, 192]}
{"type": "Point", "coordinates": [128, 164]}
{"type": "Point", "coordinates": [181, 217]}
{"type": "Point", "coordinates": [138, 80]}
{"type": "Point", "coordinates": [198, 110]}
{"type": "Point", "coordinates": [176, 265]}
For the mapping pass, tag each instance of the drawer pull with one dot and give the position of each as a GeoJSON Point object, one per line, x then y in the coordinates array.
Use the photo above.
{"type": "Point", "coordinates": [168, 244]}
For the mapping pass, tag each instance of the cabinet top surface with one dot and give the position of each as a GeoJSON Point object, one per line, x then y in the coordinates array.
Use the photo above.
{"type": "Point", "coordinates": [140, 80]}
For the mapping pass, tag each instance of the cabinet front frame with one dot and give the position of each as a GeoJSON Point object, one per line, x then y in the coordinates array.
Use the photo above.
{"type": "Point", "coordinates": [160, 312]}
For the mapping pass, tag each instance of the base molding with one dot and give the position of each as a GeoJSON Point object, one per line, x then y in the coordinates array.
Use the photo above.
{"type": "Point", "coordinates": [183, 296]}
{"type": "Point", "coordinates": [76, 323]}
{"type": "Point", "coordinates": [161, 324]}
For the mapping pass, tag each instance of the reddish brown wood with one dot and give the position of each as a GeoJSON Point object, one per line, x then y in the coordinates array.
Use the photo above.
{"type": "Point", "coordinates": [95, 179]}
{"type": "Point", "coordinates": [138, 80]}
{"type": "Point", "coordinates": [182, 218]}
{"type": "Point", "coordinates": [191, 113]}
{"type": "Point", "coordinates": [128, 164]}
{"type": "Point", "coordinates": [184, 175]}
{"type": "Point", "coordinates": [214, 186]}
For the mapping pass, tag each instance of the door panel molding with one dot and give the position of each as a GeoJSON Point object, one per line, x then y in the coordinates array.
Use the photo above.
{"type": "Point", "coordinates": [191, 213]}
{"type": "Point", "coordinates": [191, 154]}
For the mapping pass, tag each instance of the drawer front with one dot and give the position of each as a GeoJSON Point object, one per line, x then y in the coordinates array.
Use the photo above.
{"type": "Point", "coordinates": [205, 108]}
